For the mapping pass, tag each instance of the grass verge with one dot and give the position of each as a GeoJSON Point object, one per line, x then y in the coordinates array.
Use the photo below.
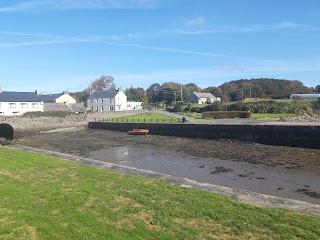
{"type": "Point", "coordinates": [271, 115]}
{"type": "Point", "coordinates": [43, 197]}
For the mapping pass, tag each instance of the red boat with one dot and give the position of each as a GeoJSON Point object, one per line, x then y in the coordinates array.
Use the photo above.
{"type": "Point", "coordinates": [138, 131]}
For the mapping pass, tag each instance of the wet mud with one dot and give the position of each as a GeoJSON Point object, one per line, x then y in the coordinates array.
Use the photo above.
{"type": "Point", "coordinates": [273, 170]}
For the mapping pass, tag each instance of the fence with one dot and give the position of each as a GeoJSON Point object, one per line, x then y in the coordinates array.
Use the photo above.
{"type": "Point", "coordinates": [139, 120]}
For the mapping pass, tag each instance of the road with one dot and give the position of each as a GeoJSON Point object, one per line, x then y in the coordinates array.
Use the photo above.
{"type": "Point", "coordinates": [234, 121]}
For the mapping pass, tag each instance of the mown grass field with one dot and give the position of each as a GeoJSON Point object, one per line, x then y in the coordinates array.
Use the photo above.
{"type": "Point", "coordinates": [148, 118]}
{"type": "Point", "coordinates": [43, 197]}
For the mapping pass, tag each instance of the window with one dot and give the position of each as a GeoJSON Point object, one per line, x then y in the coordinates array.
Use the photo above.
{"type": "Point", "coordinates": [16, 113]}
{"type": "Point", "coordinates": [97, 108]}
{"type": "Point", "coordinates": [101, 100]}
{"type": "Point", "coordinates": [35, 105]}
{"type": "Point", "coordinates": [12, 105]}
{"type": "Point", "coordinates": [1, 113]}
{"type": "Point", "coordinates": [24, 105]}
{"type": "Point", "coordinates": [101, 108]}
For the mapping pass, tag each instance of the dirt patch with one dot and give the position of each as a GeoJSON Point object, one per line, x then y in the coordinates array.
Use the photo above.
{"type": "Point", "coordinates": [221, 169]}
{"type": "Point", "coordinates": [271, 170]}
{"type": "Point", "coordinates": [312, 194]}
{"type": "Point", "coordinates": [83, 141]}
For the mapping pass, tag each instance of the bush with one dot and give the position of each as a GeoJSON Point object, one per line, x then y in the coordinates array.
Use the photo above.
{"type": "Point", "coordinates": [216, 106]}
{"type": "Point", "coordinates": [222, 114]}
{"type": "Point", "coordinates": [270, 107]}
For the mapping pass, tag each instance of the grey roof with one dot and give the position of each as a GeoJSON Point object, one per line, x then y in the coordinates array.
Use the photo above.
{"type": "Point", "coordinates": [204, 95]}
{"type": "Point", "coordinates": [7, 96]}
{"type": "Point", "coordinates": [310, 95]}
{"type": "Point", "coordinates": [103, 94]}
{"type": "Point", "coordinates": [50, 97]}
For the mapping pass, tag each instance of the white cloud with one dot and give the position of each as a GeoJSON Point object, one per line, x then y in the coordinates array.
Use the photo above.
{"type": "Point", "coordinates": [100, 39]}
{"type": "Point", "coordinates": [195, 22]}
{"type": "Point", "coordinates": [254, 28]}
{"type": "Point", "coordinates": [81, 4]}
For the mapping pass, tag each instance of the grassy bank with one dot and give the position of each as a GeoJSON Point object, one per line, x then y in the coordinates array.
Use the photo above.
{"type": "Point", "coordinates": [270, 115]}
{"type": "Point", "coordinates": [148, 118]}
{"type": "Point", "coordinates": [48, 198]}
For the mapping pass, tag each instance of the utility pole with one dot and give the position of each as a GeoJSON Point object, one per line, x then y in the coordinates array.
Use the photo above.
{"type": "Point", "coordinates": [250, 91]}
{"type": "Point", "coordinates": [181, 93]}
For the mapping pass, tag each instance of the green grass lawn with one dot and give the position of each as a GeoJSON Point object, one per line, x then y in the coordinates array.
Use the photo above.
{"type": "Point", "coordinates": [43, 197]}
{"type": "Point", "coordinates": [270, 115]}
{"type": "Point", "coordinates": [291, 100]}
{"type": "Point", "coordinates": [149, 118]}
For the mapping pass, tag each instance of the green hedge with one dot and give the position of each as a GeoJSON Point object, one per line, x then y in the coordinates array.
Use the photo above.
{"type": "Point", "coordinates": [222, 114]}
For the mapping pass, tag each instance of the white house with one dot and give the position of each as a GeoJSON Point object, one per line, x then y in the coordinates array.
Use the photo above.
{"type": "Point", "coordinates": [201, 98]}
{"type": "Point", "coordinates": [59, 98]}
{"type": "Point", "coordinates": [107, 101]}
{"type": "Point", "coordinates": [134, 106]}
{"type": "Point", "coordinates": [305, 96]}
{"type": "Point", "coordinates": [18, 103]}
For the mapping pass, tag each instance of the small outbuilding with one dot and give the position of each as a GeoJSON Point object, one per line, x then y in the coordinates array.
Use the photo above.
{"type": "Point", "coordinates": [305, 96]}
{"type": "Point", "coordinates": [201, 98]}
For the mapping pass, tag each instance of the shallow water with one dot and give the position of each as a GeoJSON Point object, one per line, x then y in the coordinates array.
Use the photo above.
{"type": "Point", "coordinates": [276, 181]}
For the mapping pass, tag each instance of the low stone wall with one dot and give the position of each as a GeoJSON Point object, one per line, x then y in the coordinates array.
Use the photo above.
{"type": "Point", "coordinates": [43, 123]}
{"type": "Point", "coordinates": [298, 136]}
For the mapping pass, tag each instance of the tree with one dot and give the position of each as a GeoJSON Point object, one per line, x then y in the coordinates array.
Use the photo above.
{"type": "Point", "coordinates": [171, 92]}
{"type": "Point", "coordinates": [317, 88]}
{"type": "Point", "coordinates": [154, 93]}
{"type": "Point", "coordinates": [136, 94]}
{"type": "Point", "coordinates": [215, 91]}
{"type": "Point", "coordinates": [103, 83]}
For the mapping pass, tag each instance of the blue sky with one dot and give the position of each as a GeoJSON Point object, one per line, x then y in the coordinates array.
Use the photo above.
{"type": "Point", "coordinates": [57, 45]}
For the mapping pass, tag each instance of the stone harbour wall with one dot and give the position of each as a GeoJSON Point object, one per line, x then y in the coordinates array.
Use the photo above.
{"type": "Point", "coordinates": [297, 136]}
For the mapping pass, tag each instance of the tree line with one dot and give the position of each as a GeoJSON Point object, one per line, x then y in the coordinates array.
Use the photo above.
{"type": "Point", "coordinates": [171, 92]}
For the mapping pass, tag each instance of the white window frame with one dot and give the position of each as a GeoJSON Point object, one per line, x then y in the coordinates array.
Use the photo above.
{"type": "Point", "coordinates": [12, 105]}
{"type": "Point", "coordinates": [35, 105]}
{"type": "Point", "coordinates": [23, 105]}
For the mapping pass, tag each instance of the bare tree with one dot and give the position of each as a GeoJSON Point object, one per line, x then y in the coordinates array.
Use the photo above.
{"type": "Point", "coordinates": [103, 83]}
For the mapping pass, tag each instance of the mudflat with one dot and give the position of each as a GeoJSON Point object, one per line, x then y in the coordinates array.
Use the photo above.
{"type": "Point", "coordinates": [274, 170]}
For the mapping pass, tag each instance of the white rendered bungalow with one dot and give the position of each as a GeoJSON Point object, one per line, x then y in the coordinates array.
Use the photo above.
{"type": "Point", "coordinates": [107, 101]}
{"type": "Point", "coordinates": [18, 103]}
{"type": "Point", "coordinates": [201, 98]}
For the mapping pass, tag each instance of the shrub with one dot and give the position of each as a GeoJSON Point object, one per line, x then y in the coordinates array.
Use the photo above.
{"type": "Point", "coordinates": [216, 106]}
{"type": "Point", "coordinates": [222, 114]}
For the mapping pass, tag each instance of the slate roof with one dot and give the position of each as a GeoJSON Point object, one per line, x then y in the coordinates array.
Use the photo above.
{"type": "Point", "coordinates": [204, 95]}
{"type": "Point", "coordinates": [103, 94]}
{"type": "Point", "coordinates": [50, 97]}
{"type": "Point", "coordinates": [7, 96]}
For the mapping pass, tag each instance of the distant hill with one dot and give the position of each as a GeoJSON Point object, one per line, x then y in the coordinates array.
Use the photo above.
{"type": "Point", "coordinates": [262, 87]}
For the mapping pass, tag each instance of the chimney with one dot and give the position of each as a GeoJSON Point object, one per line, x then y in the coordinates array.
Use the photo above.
{"type": "Point", "coordinates": [38, 92]}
